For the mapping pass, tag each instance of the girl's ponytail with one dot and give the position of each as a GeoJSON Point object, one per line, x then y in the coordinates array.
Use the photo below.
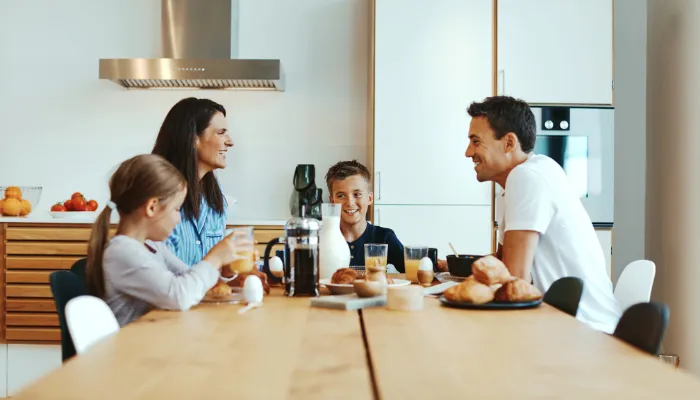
{"type": "Point", "coordinates": [96, 248]}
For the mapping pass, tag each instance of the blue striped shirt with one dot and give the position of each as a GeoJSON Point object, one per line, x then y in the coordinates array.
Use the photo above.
{"type": "Point", "coordinates": [192, 239]}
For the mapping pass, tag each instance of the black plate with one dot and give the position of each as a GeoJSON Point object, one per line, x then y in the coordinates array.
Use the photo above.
{"type": "Point", "coordinates": [494, 305]}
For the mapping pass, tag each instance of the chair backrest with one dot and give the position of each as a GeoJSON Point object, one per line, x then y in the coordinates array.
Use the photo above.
{"type": "Point", "coordinates": [565, 294]}
{"type": "Point", "coordinates": [78, 269]}
{"type": "Point", "coordinates": [65, 286]}
{"type": "Point", "coordinates": [635, 283]}
{"type": "Point", "coordinates": [89, 320]}
{"type": "Point", "coordinates": [643, 325]}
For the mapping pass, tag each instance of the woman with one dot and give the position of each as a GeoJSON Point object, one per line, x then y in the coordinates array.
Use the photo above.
{"type": "Point", "coordinates": [194, 138]}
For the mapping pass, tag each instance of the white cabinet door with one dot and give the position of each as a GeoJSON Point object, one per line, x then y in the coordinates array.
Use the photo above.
{"type": "Point", "coordinates": [3, 370]}
{"type": "Point", "coordinates": [467, 227]}
{"type": "Point", "coordinates": [605, 239]}
{"type": "Point", "coordinates": [26, 363]}
{"type": "Point", "coordinates": [556, 51]}
{"type": "Point", "coordinates": [432, 59]}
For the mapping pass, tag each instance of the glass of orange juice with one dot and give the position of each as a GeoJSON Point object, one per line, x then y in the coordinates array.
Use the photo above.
{"type": "Point", "coordinates": [376, 254]}
{"type": "Point", "coordinates": [412, 257]}
{"type": "Point", "coordinates": [245, 246]}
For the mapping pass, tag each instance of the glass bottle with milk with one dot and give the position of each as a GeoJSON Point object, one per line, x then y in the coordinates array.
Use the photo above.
{"type": "Point", "coordinates": [333, 250]}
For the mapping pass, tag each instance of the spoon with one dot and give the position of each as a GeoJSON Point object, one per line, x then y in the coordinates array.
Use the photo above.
{"type": "Point", "coordinates": [453, 249]}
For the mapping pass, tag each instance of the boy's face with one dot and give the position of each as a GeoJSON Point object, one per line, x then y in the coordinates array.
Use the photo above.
{"type": "Point", "coordinates": [353, 193]}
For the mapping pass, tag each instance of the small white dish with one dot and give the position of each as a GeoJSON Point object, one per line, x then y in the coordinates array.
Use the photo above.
{"type": "Point", "coordinates": [340, 288]}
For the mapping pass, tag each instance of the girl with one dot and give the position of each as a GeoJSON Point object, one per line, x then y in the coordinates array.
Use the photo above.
{"type": "Point", "coordinates": [194, 137]}
{"type": "Point", "coordinates": [136, 272]}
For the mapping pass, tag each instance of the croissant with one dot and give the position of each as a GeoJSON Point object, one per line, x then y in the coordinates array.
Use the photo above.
{"type": "Point", "coordinates": [490, 270]}
{"type": "Point", "coordinates": [517, 290]}
{"type": "Point", "coordinates": [469, 291]}
{"type": "Point", "coordinates": [344, 276]}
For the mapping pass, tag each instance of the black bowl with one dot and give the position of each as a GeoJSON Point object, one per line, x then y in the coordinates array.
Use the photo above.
{"type": "Point", "coordinates": [462, 265]}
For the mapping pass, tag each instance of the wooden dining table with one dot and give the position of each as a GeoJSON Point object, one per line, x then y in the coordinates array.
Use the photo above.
{"type": "Point", "coordinates": [288, 349]}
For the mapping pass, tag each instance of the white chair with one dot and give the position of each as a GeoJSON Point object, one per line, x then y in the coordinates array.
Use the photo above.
{"type": "Point", "coordinates": [635, 283]}
{"type": "Point", "coordinates": [89, 320]}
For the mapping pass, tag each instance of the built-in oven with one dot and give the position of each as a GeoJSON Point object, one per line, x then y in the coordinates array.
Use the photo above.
{"type": "Point", "coordinates": [581, 140]}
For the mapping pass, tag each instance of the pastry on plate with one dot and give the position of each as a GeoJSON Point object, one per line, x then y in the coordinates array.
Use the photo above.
{"type": "Point", "coordinates": [490, 270]}
{"type": "Point", "coordinates": [470, 291]}
{"type": "Point", "coordinates": [221, 289]}
{"type": "Point", "coordinates": [344, 276]}
{"type": "Point", "coordinates": [517, 290]}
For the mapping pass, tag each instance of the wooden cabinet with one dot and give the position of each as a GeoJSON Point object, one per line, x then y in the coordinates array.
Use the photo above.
{"type": "Point", "coordinates": [431, 60]}
{"type": "Point", "coordinates": [468, 228]}
{"type": "Point", "coordinates": [556, 51]}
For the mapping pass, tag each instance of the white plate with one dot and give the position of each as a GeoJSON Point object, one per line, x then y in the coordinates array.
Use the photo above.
{"type": "Point", "coordinates": [347, 288]}
{"type": "Point", "coordinates": [74, 214]}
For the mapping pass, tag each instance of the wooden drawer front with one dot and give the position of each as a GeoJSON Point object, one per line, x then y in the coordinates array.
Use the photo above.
{"type": "Point", "coordinates": [31, 319]}
{"type": "Point", "coordinates": [34, 334]}
{"type": "Point", "coordinates": [31, 305]}
{"type": "Point", "coordinates": [47, 248]}
{"type": "Point", "coordinates": [32, 291]}
{"type": "Point", "coordinates": [50, 234]}
{"type": "Point", "coordinates": [19, 276]}
{"type": "Point", "coordinates": [267, 235]}
{"type": "Point", "coordinates": [41, 262]}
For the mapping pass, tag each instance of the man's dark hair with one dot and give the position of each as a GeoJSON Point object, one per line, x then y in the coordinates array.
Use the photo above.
{"type": "Point", "coordinates": [506, 114]}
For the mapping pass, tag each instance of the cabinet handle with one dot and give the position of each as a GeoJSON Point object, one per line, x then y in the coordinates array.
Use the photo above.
{"type": "Point", "coordinates": [501, 82]}
{"type": "Point", "coordinates": [379, 185]}
{"type": "Point", "coordinates": [377, 222]}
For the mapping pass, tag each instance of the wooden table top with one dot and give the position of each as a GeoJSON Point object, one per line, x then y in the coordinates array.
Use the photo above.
{"type": "Point", "coordinates": [287, 349]}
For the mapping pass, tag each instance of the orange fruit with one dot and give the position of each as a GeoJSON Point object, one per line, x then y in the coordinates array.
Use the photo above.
{"type": "Point", "coordinates": [13, 192]}
{"type": "Point", "coordinates": [11, 207]}
{"type": "Point", "coordinates": [26, 208]}
{"type": "Point", "coordinates": [1, 201]}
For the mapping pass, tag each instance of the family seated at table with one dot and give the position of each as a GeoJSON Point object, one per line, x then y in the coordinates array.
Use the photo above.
{"type": "Point", "coordinates": [170, 244]}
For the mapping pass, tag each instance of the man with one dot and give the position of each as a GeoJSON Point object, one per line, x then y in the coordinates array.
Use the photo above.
{"type": "Point", "coordinates": [544, 232]}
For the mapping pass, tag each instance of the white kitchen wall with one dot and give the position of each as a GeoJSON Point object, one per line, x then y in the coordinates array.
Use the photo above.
{"type": "Point", "coordinates": [64, 129]}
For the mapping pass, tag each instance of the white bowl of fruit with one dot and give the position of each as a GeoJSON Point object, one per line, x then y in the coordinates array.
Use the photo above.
{"type": "Point", "coordinates": [77, 206]}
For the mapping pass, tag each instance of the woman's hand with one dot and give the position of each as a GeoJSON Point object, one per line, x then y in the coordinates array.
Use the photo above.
{"type": "Point", "coordinates": [222, 253]}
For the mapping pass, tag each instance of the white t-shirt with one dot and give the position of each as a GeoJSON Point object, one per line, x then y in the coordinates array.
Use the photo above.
{"type": "Point", "coordinates": [538, 197]}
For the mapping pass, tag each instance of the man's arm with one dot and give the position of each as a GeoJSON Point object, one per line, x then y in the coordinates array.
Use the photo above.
{"type": "Point", "coordinates": [518, 252]}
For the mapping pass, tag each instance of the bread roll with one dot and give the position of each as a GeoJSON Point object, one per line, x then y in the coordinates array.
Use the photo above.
{"type": "Point", "coordinates": [490, 271]}
{"type": "Point", "coordinates": [518, 290]}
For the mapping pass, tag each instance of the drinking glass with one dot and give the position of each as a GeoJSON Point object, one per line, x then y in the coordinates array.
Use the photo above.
{"type": "Point", "coordinates": [412, 257]}
{"type": "Point", "coordinates": [244, 240]}
{"type": "Point", "coordinates": [376, 255]}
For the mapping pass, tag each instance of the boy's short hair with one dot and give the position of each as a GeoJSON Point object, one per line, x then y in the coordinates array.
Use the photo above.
{"type": "Point", "coordinates": [345, 169]}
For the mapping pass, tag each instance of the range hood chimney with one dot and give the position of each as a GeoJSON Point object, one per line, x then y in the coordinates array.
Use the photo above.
{"type": "Point", "coordinates": [199, 44]}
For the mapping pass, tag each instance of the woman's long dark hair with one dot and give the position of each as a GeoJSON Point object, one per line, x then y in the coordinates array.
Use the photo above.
{"type": "Point", "coordinates": [176, 143]}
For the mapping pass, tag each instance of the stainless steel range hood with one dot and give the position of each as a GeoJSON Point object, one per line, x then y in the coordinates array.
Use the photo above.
{"type": "Point", "coordinates": [199, 45]}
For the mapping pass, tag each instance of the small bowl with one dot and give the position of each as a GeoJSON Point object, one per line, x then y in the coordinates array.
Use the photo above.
{"type": "Point", "coordinates": [29, 193]}
{"type": "Point", "coordinates": [462, 265]}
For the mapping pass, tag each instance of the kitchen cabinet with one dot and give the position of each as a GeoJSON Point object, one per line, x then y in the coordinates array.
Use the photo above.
{"type": "Point", "coordinates": [431, 60]}
{"type": "Point", "coordinates": [605, 239]}
{"type": "Point", "coordinates": [556, 51]}
{"type": "Point", "coordinates": [468, 228]}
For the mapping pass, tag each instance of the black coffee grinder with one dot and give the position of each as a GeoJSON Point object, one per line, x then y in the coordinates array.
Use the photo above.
{"type": "Point", "coordinates": [305, 192]}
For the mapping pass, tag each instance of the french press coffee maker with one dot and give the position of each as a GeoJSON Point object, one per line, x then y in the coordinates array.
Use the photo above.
{"type": "Point", "coordinates": [301, 255]}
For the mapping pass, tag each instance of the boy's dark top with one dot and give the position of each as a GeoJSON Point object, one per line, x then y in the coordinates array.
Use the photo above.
{"type": "Point", "coordinates": [377, 235]}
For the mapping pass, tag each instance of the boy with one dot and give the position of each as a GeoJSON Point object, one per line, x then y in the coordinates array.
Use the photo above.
{"type": "Point", "coordinates": [348, 184]}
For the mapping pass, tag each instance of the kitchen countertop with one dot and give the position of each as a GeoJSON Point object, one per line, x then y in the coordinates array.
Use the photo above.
{"type": "Point", "coordinates": [46, 218]}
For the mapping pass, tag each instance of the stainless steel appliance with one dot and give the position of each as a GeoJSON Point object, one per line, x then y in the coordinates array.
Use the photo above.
{"type": "Point", "coordinates": [199, 46]}
{"type": "Point", "coordinates": [581, 140]}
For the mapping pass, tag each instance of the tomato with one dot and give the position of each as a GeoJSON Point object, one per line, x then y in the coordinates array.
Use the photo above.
{"type": "Point", "coordinates": [92, 205]}
{"type": "Point", "coordinates": [68, 205]}
{"type": "Point", "coordinates": [79, 204]}
{"type": "Point", "coordinates": [58, 207]}
{"type": "Point", "coordinates": [77, 194]}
